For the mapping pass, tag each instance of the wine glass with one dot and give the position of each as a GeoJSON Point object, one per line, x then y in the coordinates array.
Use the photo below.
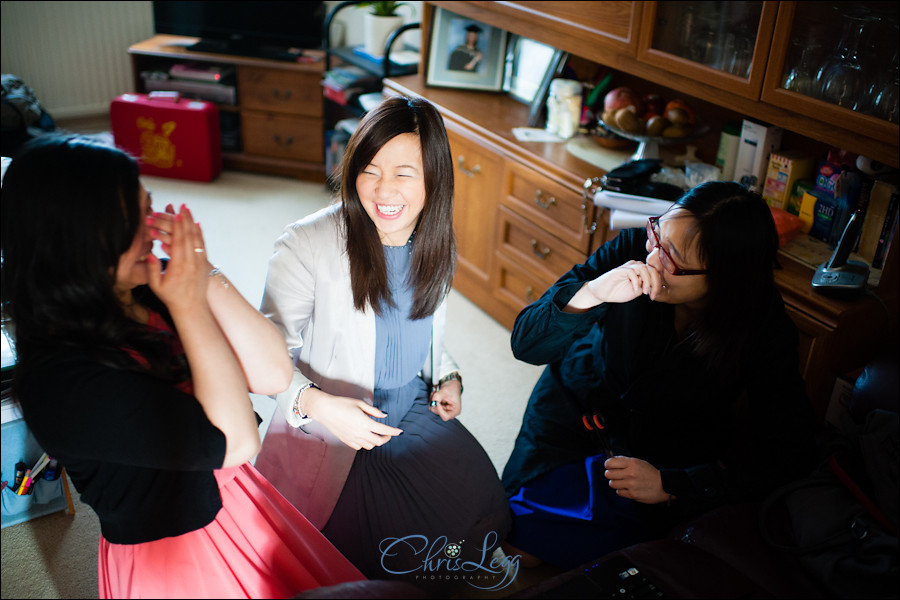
{"type": "Point", "coordinates": [883, 92]}
{"type": "Point", "coordinates": [801, 78]}
{"type": "Point", "coordinates": [841, 76]}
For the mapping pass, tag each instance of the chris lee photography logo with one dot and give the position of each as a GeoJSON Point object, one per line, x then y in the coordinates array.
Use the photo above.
{"type": "Point", "coordinates": [442, 559]}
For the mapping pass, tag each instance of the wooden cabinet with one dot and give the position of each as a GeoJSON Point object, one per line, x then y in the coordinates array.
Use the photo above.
{"type": "Point", "coordinates": [281, 114]}
{"type": "Point", "coordinates": [526, 223]}
{"type": "Point", "coordinates": [724, 44]}
{"type": "Point", "coordinates": [477, 171]}
{"type": "Point", "coordinates": [541, 234]}
{"type": "Point", "coordinates": [809, 37]}
{"type": "Point", "coordinates": [757, 95]}
{"type": "Point", "coordinates": [279, 106]}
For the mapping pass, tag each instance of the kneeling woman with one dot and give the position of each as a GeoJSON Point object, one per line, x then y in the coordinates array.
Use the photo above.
{"type": "Point", "coordinates": [672, 383]}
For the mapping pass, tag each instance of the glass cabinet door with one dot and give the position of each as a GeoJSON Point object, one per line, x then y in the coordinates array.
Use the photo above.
{"type": "Point", "coordinates": [724, 44]}
{"type": "Point", "coordinates": [839, 61]}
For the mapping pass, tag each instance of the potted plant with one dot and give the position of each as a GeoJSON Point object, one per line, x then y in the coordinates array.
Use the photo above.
{"type": "Point", "coordinates": [379, 23]}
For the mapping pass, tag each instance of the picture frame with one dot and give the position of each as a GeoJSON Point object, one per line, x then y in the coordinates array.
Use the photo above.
{"type": "Point", "coordinates": [527, 61]}
{"type": "Point", "coordinates": [464, 53]}
{"type": "Point", "coordinates": [538, 107]}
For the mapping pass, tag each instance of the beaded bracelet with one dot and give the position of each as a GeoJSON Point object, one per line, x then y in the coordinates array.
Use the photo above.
{"type": "Point", "coordinates": [217, 272]}
{"type": "Point", "coordinates": [298, 411]}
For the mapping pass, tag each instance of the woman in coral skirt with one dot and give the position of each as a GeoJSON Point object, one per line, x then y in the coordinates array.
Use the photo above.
{"type": "Point", "coordinates": [136, 377]}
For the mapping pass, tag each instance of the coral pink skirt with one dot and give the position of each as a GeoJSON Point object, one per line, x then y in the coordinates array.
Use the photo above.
{"type": "Point", "coordinates": [258, 546]}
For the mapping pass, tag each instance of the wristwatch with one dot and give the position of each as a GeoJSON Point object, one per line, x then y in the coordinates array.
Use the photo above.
{"type": "Point", "coordinates": [452, 376]}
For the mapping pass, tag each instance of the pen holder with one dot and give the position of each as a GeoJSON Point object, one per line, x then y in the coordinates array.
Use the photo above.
{"type": "Point", "coordinates": [44, 492]}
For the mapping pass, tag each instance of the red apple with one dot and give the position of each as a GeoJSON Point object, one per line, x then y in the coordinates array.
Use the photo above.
{"type": "Point", "coordinates": [623, 97]}
{"type": "Point", "coordinates": [653, 105]}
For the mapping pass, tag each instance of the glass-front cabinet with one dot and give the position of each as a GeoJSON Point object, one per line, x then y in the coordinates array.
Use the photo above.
{"type": "Point", "coordinates": [839, 61]}
{"type": "Point", "coordinates": [723, 44]}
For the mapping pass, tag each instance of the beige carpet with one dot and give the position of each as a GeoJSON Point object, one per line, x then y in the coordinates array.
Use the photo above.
{"type": "Point", "coordinates": [242, 214]}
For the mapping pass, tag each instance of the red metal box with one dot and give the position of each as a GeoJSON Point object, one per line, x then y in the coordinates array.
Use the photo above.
{"type": "Point", "coordinates": [169, 135]}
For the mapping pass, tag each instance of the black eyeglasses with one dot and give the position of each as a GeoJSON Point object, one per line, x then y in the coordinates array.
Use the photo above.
{"type": "Point", "coordinates": [665, 258]}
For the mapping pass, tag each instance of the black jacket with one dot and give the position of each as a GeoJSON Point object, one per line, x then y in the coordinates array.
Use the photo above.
{"type": "Point", "coordinates": [715, 440]}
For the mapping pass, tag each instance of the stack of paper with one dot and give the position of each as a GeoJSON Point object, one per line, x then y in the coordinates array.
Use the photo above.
{"type": "Point", "coordinates": [627, 210]}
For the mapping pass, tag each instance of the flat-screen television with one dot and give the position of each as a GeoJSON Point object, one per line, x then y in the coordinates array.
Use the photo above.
{"type": "Point", "coordinates": [277, 30]}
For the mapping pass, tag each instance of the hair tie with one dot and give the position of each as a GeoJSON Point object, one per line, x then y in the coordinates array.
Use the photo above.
{"type": "Point", "coordinates": [415, 109]}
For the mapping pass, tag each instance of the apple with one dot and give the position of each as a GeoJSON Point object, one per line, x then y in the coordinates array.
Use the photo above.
{"type": "Point", "coordinates": [623, 97]}
{"type": "Point", "coordinates": [653, 105]}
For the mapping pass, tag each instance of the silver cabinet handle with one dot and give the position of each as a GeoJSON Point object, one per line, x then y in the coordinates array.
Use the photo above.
{"type": "Point", "coordinates": [539, 200]}
{"type": "Point", "coordinates": [461, 160]}
{"type": "Point", "coordinates": [542, 254]}
{"type": "Point", "coordinates": [591, 187]}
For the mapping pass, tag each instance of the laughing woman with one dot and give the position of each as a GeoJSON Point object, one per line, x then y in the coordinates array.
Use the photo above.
{"type": "Point", "coordinates": [365, 441]}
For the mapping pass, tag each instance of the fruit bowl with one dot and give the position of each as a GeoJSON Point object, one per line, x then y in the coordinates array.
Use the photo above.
{"type": "Point", "coordinates": [649, 145]}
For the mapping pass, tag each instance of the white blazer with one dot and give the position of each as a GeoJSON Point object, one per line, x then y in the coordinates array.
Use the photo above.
{"type": "Point", "coordinates": [308, 296]}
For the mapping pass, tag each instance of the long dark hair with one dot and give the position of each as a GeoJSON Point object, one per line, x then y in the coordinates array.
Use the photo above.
{"type": "Point", "coordinates": [736, 239]}
{"type": "Point", "coordinates": [434, 251]}
{"type": "Point", "coordinates": [70, 209]}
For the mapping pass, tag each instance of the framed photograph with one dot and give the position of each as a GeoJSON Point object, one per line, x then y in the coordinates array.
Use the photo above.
{"type": "Point", "coordinates": [465, 53]}
{"type": "Point", "coordinates": [538, 109]}
{"type": "Point", "coordinates": [527, 62]}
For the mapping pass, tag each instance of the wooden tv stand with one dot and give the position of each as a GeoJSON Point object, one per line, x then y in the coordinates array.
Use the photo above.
{"type": "Point", "coordinates": [279, 106]}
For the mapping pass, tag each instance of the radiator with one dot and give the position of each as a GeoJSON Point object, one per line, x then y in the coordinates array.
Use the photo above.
{"type": "Point", "coordinates": [74, 55]}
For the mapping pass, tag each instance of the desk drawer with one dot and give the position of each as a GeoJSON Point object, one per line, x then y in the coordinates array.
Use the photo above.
{"type": "Point", "coordinates": [534, 248]}
{"type": "Point", "coordinates": [518, 286]}
{"type": "Point", "coordinates": [277, 90]}
{"type": "Point", "coordinates": [548, 204]}
{"type": "Point", "coordinates": [281, 136]}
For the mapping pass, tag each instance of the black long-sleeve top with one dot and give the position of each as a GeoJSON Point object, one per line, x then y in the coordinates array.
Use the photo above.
{"type": "Point", "coordinates": [715, 440]}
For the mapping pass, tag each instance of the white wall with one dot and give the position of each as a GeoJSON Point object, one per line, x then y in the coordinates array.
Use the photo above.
{"type": "Point", "coordinates": [74, 55]}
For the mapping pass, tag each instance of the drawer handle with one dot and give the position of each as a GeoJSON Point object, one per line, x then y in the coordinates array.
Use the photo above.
{"type": "Point", "coordinates": [276, 138]}
{"type": "Point", "coordinates": [287, 94]}
{"type": "Point", "coordinates": [289, 140]}
{"type": "Point", "coordinates": [542, 254]}
{"type": "Point", "coordinates": [538, 199]}
{"type": "Point", "coordinates": [591, 187]}
{"type": "Point", "coordinates": [471, 173]}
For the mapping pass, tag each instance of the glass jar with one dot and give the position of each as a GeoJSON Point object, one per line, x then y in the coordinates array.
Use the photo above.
{"type": "Point", "coordinates": [564, 107]}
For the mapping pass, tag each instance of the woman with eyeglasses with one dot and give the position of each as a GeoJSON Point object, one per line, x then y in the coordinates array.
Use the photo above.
{"type": "Point", "coordinates": [672, 383]}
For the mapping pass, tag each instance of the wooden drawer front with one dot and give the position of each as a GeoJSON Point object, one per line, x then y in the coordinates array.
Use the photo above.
{"type": "Point", "coordinates": [275, 90]}
{"type": "Point", "coordinates": [518, 286]}
{"type": "Point", "coordinates": [548, 204]}
{"type": "Point", "coordinates": [476, 172]}
{"type": "Point", "coordinates": [533, 247]}
{"type": "Point", "coordinates": [280, 136]}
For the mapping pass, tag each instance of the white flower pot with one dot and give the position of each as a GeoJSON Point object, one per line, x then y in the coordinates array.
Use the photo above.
{"type": "Point", "coordinates": [377, 30]}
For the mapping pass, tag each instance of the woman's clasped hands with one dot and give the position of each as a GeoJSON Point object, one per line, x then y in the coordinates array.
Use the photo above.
{"type": "Point", "coordinates": [627, 282]}
{"type": "Point", "coordinates": [183, 284]}
{"type": "Point", "coordinates": [351, 420]}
